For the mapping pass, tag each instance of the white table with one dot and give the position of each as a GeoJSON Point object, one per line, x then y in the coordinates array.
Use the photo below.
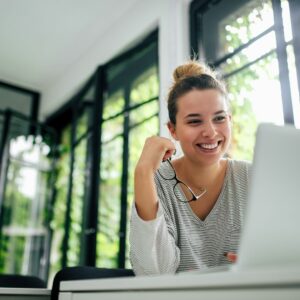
{"type": "Point", "coordinates": [24, 294]}
{"type": "Point", "coordinates": [234, 285]}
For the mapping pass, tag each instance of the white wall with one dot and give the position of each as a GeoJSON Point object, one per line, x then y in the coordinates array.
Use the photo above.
{"type": "Point", "coordinates": [170, 16]}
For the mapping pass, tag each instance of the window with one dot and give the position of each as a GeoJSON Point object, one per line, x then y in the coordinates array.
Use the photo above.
{"type": "Point", "coordinates": [74, 125]}
{"type": "Point", "coordinates": [251, 44]}
{"type": "Point", "coordinates": [102, 130]}
{"type": "Point", "coordinates": [130, 114]}
{"type": "Point", "coordinates": [27, 172]}
{"type": "Point", "coordinates": [19, 99]}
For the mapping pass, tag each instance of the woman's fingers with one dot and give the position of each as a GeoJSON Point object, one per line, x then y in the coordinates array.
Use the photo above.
{"type": "Point", "coordinates": [168, 154]}
{"type": "Point", "coordinates": [155, 150]}
{"type": "Point", "coordinates": [231, 256]}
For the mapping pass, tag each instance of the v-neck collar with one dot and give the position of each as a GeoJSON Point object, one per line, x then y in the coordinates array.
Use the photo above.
{"type": "Point", "coordinates": [217, 203]}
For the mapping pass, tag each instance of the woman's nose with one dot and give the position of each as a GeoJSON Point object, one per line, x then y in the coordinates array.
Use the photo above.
{"type": "Point", "coordinates": [209, 130]}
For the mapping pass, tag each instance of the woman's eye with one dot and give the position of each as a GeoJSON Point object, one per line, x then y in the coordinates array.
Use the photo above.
{"type": "Point", "coordinates": [220, 118]}
{"type": "Point", "coordinates": [194, 121]}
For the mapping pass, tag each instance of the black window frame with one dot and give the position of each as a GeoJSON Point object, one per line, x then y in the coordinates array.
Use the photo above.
{"type": "Point", "coordinates": [69, 114]}
{"type": "Point", "coordinates": [199, 7]}
{"type": "Point", "coordinates": [35, 98]}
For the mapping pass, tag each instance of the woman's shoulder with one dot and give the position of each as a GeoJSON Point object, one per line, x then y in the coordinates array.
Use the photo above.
{"type": "Point", "coordinates": [240, 168]}
{"type": "Point", "coordinates": [240, 164]}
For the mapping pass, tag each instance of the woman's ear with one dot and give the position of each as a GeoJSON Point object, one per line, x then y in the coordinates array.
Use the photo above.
{"type": "Point", "coordinates": [172, 130]}
{"type": "Point", "coordinates": [230, 119]}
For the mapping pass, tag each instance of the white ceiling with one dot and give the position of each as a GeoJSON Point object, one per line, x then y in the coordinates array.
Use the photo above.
{"type": "Point", "coordinates": [40, 39]}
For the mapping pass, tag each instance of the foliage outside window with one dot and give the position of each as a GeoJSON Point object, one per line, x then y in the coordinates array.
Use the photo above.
{"type": "Point", "coordinates": [129, 88]}
{"type": "Point", "coordinates": [26, 200]}
{"type": "Point", "coordinates": [243, 50]}
{"type": "Point", "coordinates": [133, 103]}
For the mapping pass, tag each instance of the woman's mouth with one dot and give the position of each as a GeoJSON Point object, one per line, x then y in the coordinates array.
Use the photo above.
{"type": "Point", "coordinates": [209, 146]}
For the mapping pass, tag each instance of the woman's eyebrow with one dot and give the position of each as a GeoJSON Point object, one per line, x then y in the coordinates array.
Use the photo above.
{"type": "Point", "coordinates": [200, 115]}
{"type": "Point", "coordinates": [192, 116]}
{"type": "Point", "coordinates": [220, 112]}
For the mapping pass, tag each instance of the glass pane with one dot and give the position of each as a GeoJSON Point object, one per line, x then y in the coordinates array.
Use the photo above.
{"type": "Point", "coordinates": [109, 204]}
{"type": "Point", "coordinates": [125, 72]}
{"type": "Point", "coordinates": [78, 189]}
{"type": "Point", "coordinates": [294, 85]}
{"type": "Point", "coordinates": [15, 100]}
{"type": "Point", "coordinates": [23, 219]}
{"type": "Point", "coordinates": [231, 24]}
{"type": "Point", "coordinates": [143, 112]}
{"type": "Point", "coordinates": [256, 50]}
{"type": "Point", "coordinates": [145, 87]}
{"type": "Point", "coordinates": [137, 138]}
{"type": "Point", "coordinates": [112, 128]}
{"type": "Point", "coordinates": [59, 210]}
{"type": "Point", "coordinates": [244, 24]}
{"type": "Point", "coordinates": [83, 122]}
{"type": "Point", "coordinates": [25, 203]}
{"type": "Point", "coordinates": [255, 97]}
{"type": "Point", "coordinates": [90, 94]}
{"type": "Point", "coordinates": [19, 127]}
{"type": "Point", "coordinates": [287, 26]}
{"type": "Point", "coordinates": [113, 104]}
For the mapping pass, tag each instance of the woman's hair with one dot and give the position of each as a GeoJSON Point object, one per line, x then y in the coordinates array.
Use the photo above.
{"type": "Point", "coordinates": [191, 76]}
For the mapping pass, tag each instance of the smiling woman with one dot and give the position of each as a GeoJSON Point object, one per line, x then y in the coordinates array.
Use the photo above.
{"type": "Point", "coordinates": [202, 125]}
{"type": "Point", "coordinates": [186, 210]}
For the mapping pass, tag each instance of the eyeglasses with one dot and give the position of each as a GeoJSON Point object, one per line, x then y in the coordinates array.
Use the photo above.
{"type": "Point", "coordinates": [190, 195]}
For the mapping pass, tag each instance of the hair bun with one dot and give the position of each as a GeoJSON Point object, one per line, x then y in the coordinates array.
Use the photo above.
{"type": "Point", "coordinates": [189, 69]}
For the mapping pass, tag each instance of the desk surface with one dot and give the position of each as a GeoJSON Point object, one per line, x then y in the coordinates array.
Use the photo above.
{"type": "Point", "coordinates": [271, 284]}
{"type": "Point", "coordinates": [24, 293]}
{"type": "Point", "coordinates": [234, 278]}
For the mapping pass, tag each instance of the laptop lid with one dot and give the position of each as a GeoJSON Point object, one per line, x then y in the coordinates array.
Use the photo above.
{"type": "Point", "coordinates": [271, 233]}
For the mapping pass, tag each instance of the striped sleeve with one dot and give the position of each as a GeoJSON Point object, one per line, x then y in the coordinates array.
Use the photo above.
{"type": "Point", "coordinates": [152, 248]}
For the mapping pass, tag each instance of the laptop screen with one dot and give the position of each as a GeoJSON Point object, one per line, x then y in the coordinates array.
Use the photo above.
{"type": "Point", "coordinates": [271, 232]}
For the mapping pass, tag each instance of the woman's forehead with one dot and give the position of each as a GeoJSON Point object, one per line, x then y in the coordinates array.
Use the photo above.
{"type": "Point", "coordinates": [201, 101]}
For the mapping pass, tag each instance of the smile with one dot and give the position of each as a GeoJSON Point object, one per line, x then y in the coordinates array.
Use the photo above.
{"type": "Point", "coordinates": [209, 146]}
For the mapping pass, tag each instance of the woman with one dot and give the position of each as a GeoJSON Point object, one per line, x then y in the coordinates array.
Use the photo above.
{"type": "Point", "coordinates": [188, 212]}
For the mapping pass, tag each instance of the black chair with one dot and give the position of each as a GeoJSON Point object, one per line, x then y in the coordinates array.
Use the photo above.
{"type": "Point", "coordinates": [78, 273]}
{"type": "Point", "coordinates": [21, 281]}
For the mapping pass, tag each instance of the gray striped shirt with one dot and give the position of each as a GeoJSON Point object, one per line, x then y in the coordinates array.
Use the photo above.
{"type": "Point", "coordinates": [177, 240]}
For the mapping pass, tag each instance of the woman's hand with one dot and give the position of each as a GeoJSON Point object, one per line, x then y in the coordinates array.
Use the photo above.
{"type": "Point", "coordinates": [156, 150]}
{"type": "Point", "coordinates": [231, 256]}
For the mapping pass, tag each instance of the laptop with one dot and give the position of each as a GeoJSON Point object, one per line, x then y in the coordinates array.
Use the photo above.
{"type": "Point", "coordinates": [271, 231]}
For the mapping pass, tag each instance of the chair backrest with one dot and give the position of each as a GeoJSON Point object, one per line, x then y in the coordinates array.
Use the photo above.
{"type": "Point", "coordinates": [21, 281]}
{"type": "Point", "coordinates": [84, 272]}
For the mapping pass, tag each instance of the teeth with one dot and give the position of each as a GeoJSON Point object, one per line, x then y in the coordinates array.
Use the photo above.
{"type": "Point", "coordinates": [209, 146]}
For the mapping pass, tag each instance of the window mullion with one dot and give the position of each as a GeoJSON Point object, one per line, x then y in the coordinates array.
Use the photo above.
{"type": "Point", "coordinates": [65, 245]}
{"type": "Point", "coordinates": [295, 20]}
{"type": "Point", "coordinates": [92, 190]}
{"type": "Point", "coordinates": [124, 182]}
{"type": "Point", "coordinates": [283, 63]}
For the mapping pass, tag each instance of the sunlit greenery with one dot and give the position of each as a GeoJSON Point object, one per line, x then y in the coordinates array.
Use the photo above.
{"type": "Point", "coordinates": [110, 203]}
{"type": "Point", "coordinates": [59, 211]}
{"type": "Point", "coordinates": [144, 120]}
{"type": "Point", "coordinates": [237, 29]}
{"type": "Point", "coordinates": [24, 218]}
{"type": "Point", "coordinates": [244, 24]}
{"type": "Point", "coordinates": [78, 194]}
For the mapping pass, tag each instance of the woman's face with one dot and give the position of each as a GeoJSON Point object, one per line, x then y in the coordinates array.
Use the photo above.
{"type": "Point", "coordinates": [203, 126]}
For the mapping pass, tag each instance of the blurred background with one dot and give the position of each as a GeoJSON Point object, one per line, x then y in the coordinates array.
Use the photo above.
{"type": "Point", "coordinates": [83, 83]}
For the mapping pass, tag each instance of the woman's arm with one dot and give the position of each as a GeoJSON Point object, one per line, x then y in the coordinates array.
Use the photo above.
{"type": "Point", "coordinates": [155, 150]}
{"type": "Point", "coordinates": [152, 247]}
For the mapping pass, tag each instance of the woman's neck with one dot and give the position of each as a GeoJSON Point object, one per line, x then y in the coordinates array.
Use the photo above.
{"type": "Point", "coordinates": [198, 176]}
